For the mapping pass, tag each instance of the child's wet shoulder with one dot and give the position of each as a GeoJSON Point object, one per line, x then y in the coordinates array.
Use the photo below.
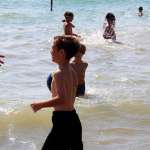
{"type": "Point", "coordinates": [57, 74]}
{"type": "Point", "coordinates": [85, 63]}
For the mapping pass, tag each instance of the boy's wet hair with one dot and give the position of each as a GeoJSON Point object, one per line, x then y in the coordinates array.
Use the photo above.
{"type": "Point", "coordinates": [140, 8]}
{"type": "Point", "coordinates": [82, 48]}
{"type": "Point", "coordinates": [69, 44]}
{"type": "Point", "coordinates": [68, 14]}
{"type": "Point", "coordinates": [110, 16]}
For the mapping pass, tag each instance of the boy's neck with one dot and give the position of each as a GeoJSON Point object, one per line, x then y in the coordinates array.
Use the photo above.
{"type": "Point", "coordinates": [78, 60]}
{"type": "Point", "coordinates": [63, 65]}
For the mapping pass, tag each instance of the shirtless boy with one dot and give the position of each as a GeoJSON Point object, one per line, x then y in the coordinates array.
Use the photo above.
{"type": "Point", "coordinates": [66, 133]}
{"type": "Point", "coordinates": [80, 67]}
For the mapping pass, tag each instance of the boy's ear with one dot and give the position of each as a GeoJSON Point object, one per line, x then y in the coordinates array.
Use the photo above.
{"type": "Point", "coordinates": [62, 52]}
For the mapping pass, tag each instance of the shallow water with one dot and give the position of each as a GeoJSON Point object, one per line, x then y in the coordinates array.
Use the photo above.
{"type": "Point", "coordinates": [115, 111]}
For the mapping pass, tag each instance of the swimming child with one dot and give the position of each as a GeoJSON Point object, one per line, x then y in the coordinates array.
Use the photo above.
{"type": "Point", "coordinates": [68, 23]}
{"type": "Point", "coordinates": [66, 133]}
{"type": "Point", "coordinates": [140, 13]}
{"type": "Point", "coordinates": [80, 67]}
{"type": "Point", "coordinates": [109, 32]}
{"type": "Point", "coordinates": [1, 61]}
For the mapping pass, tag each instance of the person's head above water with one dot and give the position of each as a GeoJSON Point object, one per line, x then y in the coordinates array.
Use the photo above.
{"type": "Point", "coordinates": [110, 16]}
{"type": "Point", "coordinates": [140, 9]}
{"type": "Point", "coordinates": [68, 16]}
{"type": "Point", "coordinates": [140, 13]}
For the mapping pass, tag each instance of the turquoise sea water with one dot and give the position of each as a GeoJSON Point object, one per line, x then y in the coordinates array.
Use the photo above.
{"type": "Point", "coordinates": [115, 111]}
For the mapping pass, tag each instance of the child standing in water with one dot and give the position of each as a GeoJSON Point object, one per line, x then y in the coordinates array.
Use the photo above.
{"type": "Point", "coordinates": [109, 32]}
{"type": "Point", "coordinates": [1, 61]}
{"type": "Point", "coordinates": [140, 13]}
{"type": "Point", "coordinates": [68, 23]}
{"type": "Point", "coordinates": [66, 133]}
{"type": "Point", "coordinates": [80, 67]}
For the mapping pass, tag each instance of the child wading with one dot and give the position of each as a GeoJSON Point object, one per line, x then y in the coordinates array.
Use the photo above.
{"type": "Point", "coordinates": [109, 32]}
{"type": "Point", "coordinates": [140, 13]}
{"type": "Point", "coordinates": [80, 67]}
{"type": "Point", "coordinates": [66, 133]}
{"type": "Point", "coordinates": [68, 23]}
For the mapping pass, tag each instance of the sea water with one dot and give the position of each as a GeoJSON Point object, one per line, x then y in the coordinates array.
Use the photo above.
{"type": "Point", "coordinates": [115, 112]}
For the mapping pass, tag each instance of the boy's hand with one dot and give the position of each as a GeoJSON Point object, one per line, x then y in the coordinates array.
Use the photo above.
{"type": "Point", "coordinates": [35, 107]}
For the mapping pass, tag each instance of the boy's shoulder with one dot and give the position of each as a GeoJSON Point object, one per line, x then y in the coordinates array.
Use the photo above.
{"type": "Point", "coordinates": [57, 74]}
{"type": "Point", "coordinates": [68, 24]}
{"type": "Point", "coordinates": [85, 64]}
{"type": "Point", "coordinates": [65, 23]}
{"type": "Point", "coordinates": [82, 62]}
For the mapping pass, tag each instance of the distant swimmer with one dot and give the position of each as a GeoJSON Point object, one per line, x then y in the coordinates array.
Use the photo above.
{"type": "Point", "coordinates": [1, 59]}
{"type": "Point", "coordinates": [68, 24]}
{"type": "Point", "coordinates": [109, 32]}
{"type": "Point", "coordinates": [140, 13]}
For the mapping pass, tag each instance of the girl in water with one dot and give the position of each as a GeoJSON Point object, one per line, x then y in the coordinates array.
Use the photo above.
{"type": "Point", "coordinates": [109, 32]}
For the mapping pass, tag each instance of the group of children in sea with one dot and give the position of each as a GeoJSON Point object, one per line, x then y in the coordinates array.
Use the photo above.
{"type": "Point", "coordinates": [67, 83]}
{"type": "Point", "coordinates": [109, 32]}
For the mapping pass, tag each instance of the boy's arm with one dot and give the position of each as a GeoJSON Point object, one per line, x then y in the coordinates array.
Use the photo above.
{"type": "Point", "coordinates": [73, 26]}
{"type": "Point", "coordinates": [104, 25]}
{"type": "Point", "coordinates": [85, 64]}
{"type": "Point", "coordinates": [113, 35]}
{"type": "Point", "coordinates": [76, 35]}
{"type": "Point", "coordinates": [1, 61]}
{"type": "Point", "coordinates": [55, 101]}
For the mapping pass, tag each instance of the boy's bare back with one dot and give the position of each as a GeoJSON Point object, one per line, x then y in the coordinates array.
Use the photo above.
{"type": "Point", "coordinates": [80, 69]}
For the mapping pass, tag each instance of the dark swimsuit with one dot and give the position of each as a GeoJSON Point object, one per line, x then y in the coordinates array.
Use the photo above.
{"type": "Point", "coordinates": [80, 90]}
{"type": "Point", "coordinates": [49, 81]}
